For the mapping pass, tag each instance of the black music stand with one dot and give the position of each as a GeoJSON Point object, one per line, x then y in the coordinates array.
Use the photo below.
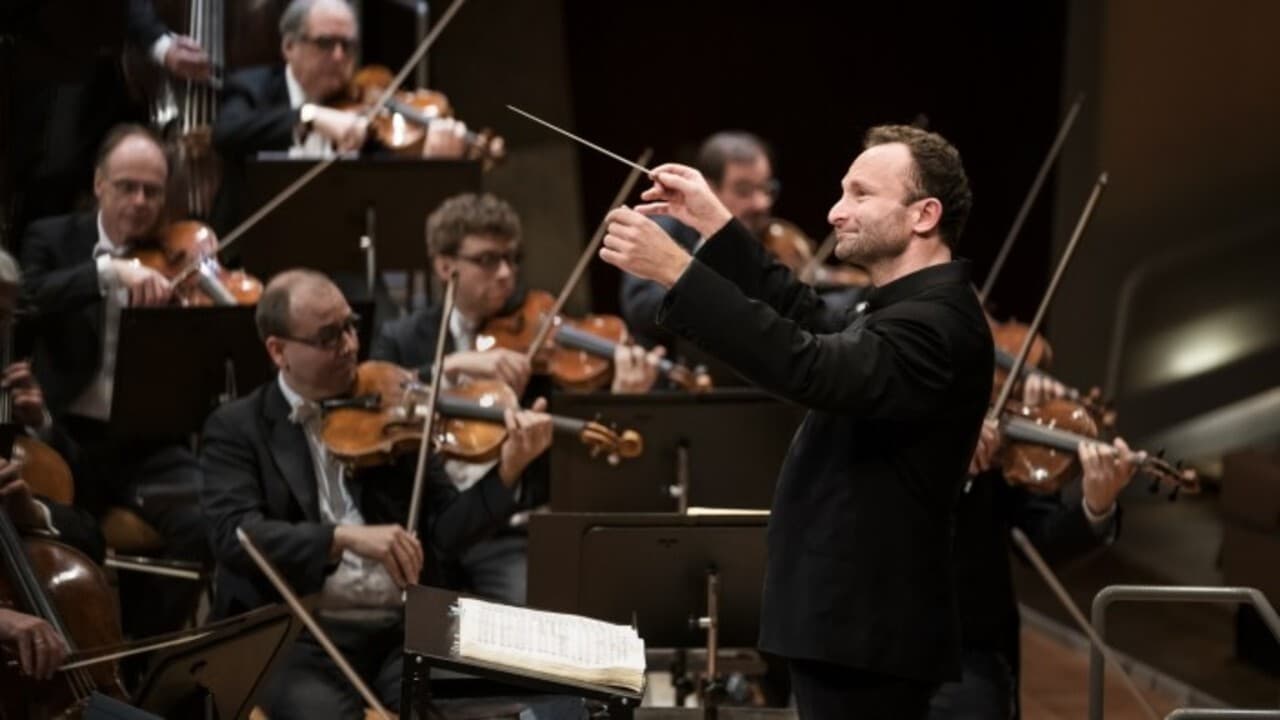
{"type": "Point", "coordinates": [685, 580]}
{"type": "Point", "coordinates": [718, 449]}
{"type": "Point", "coordinates": [383, 199]}
{"type": "Point", "coordinates": [219, 676]}
{"type": "Point", "coordinates": [429, 634]}
{"type": "Point", "coordinates": [176, 365]}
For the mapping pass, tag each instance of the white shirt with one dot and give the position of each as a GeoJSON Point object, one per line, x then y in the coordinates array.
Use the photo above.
{"type": "Point", "coordinates": [465, 474]}
{"type": "Point", "coordinates": [313, 144]}
{"type": "Point", "coordinates": [359, 582]}
{"type": "Point", "coordinates": [95, 401]}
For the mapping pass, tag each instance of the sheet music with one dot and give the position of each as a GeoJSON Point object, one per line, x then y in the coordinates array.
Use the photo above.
{"type": "Point", "coordinates": [536, 639]}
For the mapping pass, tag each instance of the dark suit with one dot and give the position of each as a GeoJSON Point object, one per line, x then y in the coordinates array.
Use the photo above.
{"type": "Point", "coordinates": [158, 477]}
{"type": "Point", "coordinates": [989, 621]}
{"type": "Point", "coordinates": [495, 567]}
{"type": "Point", "coordinates": [858, 575]}
{"type": "Point", "coordinates": [260, 477]}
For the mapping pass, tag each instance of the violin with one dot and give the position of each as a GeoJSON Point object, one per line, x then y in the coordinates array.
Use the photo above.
{"type": "Point", "coordinates": [383, 420]}
{"type": "Point", "coordinates": [579, 353]}
{"type": "Point", "coordinates": [186, 252]}
{"type": "Point", "coordinates": [1041, 444]}
{"type": "Point", "coordinates": [401, 124]}
{"type": "Point", "coordinates": [1008, 337]}
{"type": "Point", "coordinates": [789, 244]}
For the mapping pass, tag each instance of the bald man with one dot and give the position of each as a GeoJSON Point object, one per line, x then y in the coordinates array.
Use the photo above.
{"type": "Point", "coordinates": [332, 531]}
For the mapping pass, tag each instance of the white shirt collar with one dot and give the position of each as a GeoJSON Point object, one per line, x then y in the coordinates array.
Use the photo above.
{"type": "Point", "coordinates": [104, 245]}
{"type": "Point", "coordinates": [297, 96]}
{"type": "Point", "coordinates": [301, 409]}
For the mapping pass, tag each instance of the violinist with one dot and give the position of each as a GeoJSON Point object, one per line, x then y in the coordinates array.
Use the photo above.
{"type": "Point", "coordinates": [1060, 528]}
{"type": "Point", "coordinates": [739, 168]}
{"type": "Point", "coordinates": [283, 107]}
{"type": "Point", "coordinates": [479, 237]}
{"type": "Point", "coordinates": [329, 532]}
{"type": "Point", "coordinates": [77, 282]}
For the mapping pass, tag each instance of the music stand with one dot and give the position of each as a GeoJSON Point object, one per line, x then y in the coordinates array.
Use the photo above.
{"type": "Point", "coordinates": [383, 199]}
{"type": "Point", "coordinates": [718, 449]}
{"type": "Point", "coordinates": [429, 634]}
{"type": "Point", "coordinates": [684, 580]}
{"type": "Point", "coordinates": [176, 365]}
{"type": "Point", "coordinates": [220, 675]}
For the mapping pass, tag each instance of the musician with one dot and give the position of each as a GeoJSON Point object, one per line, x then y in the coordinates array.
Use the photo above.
{"type": "Point", "coordinates": [1059, 528]}
{"type": "Point", "coordinates": [479, 238]}
{"type": "Point", "coordinates": [739, 169]}
{"type": "Point", "coordinates": [78, 281]}
{"type": "Point", "coordinates": [266, 472]}
{"type": "Point", "coordinates": [282, 108]}
{"type": "Point", "coordinates": [858, 593]}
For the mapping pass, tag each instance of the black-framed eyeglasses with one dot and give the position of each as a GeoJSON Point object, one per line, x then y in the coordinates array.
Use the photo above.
{"type": "Point", "coordinates": [489, 261]}
{"type": "Point", "coordinates": [150, 191]}
{"type": "Point", "coordinates": [326, 43]}
{"type": "Point", "coordinates": [330, 337]}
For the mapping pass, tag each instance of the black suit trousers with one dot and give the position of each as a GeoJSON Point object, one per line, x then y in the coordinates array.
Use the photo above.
{"type": "Point", "coordinates": [825, 691]}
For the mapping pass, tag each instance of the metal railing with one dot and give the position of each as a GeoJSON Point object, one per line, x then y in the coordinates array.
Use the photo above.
{"type": "Point", "coordinates": [1174, 593]}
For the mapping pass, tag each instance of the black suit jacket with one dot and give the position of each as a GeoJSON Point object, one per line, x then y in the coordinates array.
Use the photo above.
{"type": "Point", "coordinates": [259, 476]}
{"type": "Point", "coordinates": [859, 566]}
{"type": "Point", "coordinates": [1058, 528]}
{"type": "Point", "coordinates": [255, 116]}
{"type": "Point", "coordinates": [60, 285]}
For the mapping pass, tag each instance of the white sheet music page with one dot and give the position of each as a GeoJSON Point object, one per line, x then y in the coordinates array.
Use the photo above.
{"type": "Point", "coordinates": [555, 643]}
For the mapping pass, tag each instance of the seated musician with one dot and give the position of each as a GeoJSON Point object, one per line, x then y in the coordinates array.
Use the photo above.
{"type": "Point", "coordinates": [478, 236]}
{"type": "Point", "coordinates": [1059, 528]}
{"type": "Point", "coordinates": [33, 641]}
{"type": "Point", "coordinates": [282, 108]}
{"type": "Point", "coordinates": [77, 281]}
{"type": "Point", "coordinates": [267, 472]}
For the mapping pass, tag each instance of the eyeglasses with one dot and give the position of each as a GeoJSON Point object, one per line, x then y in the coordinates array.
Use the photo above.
{"type": "Point", "coordinates": [746, 190]}
{"type": "Point", "coordinates": [326, 43]}
{"type": "Point", "coordinates": [330, 337]}
{"type": "Point", "coordinates": [150, 191]}
{"type": "Point", "coordinates": [489, 261]}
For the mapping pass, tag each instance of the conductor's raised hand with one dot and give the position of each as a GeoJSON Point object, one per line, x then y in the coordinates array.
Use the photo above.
{"type": "Point", "coordinates": [636, 244]}
{"type": "Point", "coordinates": [682, 192]}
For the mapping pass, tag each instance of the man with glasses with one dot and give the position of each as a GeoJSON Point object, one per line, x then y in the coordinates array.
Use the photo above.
{"type": "Point", "coordinates": [283, 108]}
{"type": "Point", "coordinates": [77, 281]}
{"type": "Point", "coordinates": [739, 169]}
{"type": "Point", "coordinates": [331, 532]}
{"type": "Point", "coordinates": [478, 237]}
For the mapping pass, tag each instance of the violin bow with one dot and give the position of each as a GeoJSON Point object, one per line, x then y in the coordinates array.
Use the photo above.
{"type": "Point", "coordinates": [1054, 150]}
{"type": "Point", "coordinates": [1064, 597]}
{"type": "Point", "coordinates": [819, 258]}
{"type": "Point", "coordinates": [301, 612]}
{"type": "Point", "coordinates": [433, 393]}
{"type": "Point", "coordinates": [548, 322]}
{"type": "Point", "coordinates": [238, 231]}
{"type": "Point", "coordinates": [1020, 360]}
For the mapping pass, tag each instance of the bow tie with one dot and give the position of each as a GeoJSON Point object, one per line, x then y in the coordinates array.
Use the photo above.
{"type": "Point", "coordinates": [107, 248]}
